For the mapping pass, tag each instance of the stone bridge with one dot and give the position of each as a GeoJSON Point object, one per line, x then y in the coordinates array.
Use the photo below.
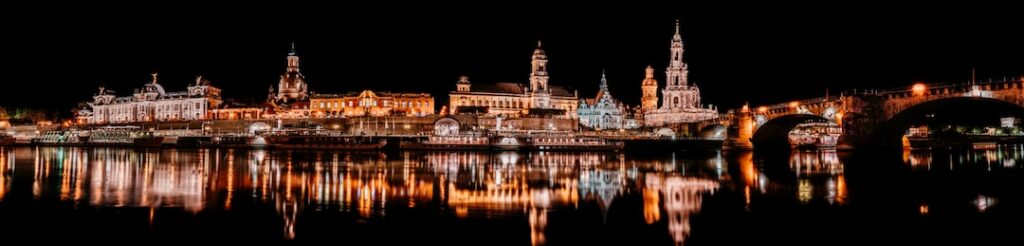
{"type": "Point", "coordinates": [867, 118]}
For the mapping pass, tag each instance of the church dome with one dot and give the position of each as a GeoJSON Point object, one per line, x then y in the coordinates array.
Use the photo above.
{"type": "Point", "coordinates": [539, 53]}
{"type": "Point", "coordinates": [153, 88]}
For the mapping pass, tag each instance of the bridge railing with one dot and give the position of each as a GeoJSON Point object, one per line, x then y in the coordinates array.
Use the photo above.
{"type": "Point", "coordinates": [908, 90]}
{"type": "Point", "coordinates": [940, 86]}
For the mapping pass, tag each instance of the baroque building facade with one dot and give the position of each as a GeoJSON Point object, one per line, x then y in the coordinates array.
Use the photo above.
{"type": "Point", "coordinates": [604, 111]}
{"type": "Point", "coordinates": [680, 101]}
{"type": "Point", "coordinates": [515, 99]}
{"type": "Point", "coordinates": [292, 97]}
{"type": "Point", "coordinates": [369, 103]}
{"type": "Point", "coordinates": [649, 100]}
{"type": "Point", "coordinates": [292, 85]}
{"type": "Point", "coordinates": [152, 103]}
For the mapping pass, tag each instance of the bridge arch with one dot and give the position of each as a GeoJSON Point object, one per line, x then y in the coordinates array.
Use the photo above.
{"type": "Point", "coordinates": [774, 133]}
{"type": "Point", "coordinates": [889, 133]}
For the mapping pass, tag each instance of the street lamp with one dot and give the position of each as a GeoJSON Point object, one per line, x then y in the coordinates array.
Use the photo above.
{"type": "Point", "coordinates": [919, 89]}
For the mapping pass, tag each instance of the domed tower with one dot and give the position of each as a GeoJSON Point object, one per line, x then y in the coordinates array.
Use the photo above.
{"type": "Point", "coordinates": [292, 85]}
{"type": "Point", "coordinates": [649, 101]}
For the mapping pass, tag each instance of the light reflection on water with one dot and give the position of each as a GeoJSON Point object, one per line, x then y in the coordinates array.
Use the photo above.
{"type": "Point", "coordinates": [666, 191]}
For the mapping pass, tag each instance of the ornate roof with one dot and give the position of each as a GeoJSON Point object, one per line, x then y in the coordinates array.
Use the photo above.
{"type": "Point", "coordinates": [501, 87]}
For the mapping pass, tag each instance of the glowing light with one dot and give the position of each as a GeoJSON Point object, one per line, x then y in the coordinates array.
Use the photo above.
{"type": "Point", "coordinates": [919, 89]}
{"type": "Point", "coordinates": [984, 203]}
{"type": "Point", "coordinates": [762, 109]}
{"type": "Point", "coordinates": [794, 104]}
{"type": "Point", "coordinates": [923, 209]}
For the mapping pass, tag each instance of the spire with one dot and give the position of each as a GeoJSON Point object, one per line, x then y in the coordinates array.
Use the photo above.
{"type": "Point", "coordinates": [649, 72]}
{"type": "Point", "coordinates": [154, 77]}
{"type": "Point", "coordinates": [677, 37]}
{"type": "Point", "coordinates": [604, 80]}
{"type": "Point", "coordinates": [292, 52]}
{"type": "Point", "coordinates": [973, 80]}
{"type": "Point", "coordinates": [538, 43]}
{"type": "Point", "coordinates": [677, 29]}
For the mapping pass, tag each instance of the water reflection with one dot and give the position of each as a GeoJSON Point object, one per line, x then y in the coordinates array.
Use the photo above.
{"type": "Point", "coordinates": [814, 175]}
{"type": "Point", "coordinates": [539, 192]}
{"type": "Point", "coordinates": [1003, 156]}
{"type": "Point", "coordinates": [981, 162]}
{"type": "Point", "coordinates": [6, 170]}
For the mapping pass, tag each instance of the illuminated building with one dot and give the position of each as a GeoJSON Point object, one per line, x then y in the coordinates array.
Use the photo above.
{"type": "Point", "coordinates": [292, 86]}
{"type": "Point", "coordinates": [151, 103]}
{"type": "Point", "coordinates": [515, 99]}
{"type": "Point", "coordinates": [680, 102]}
{"type": "Point", "coordinates": [292, 97]}
{"type": "Point", "coordinates": [649, 101]}
{"type": "Point", "coordinates": [369, 103]}
{"type": "Point", "coordinates": [605, 112]}
{"type": "Point", "coordinates": [230, 111]}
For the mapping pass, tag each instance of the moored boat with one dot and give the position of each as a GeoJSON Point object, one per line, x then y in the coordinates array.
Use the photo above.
{"type": "Point", "coordinates": [51, 138]}
{"type": "Point", "coordinates": [123, 137]}
{"type": "Point", "coordinates": [447, 143]}
{"type": "Point", "coordinates": [572, 143]}
{"type": "Point", "coordinates": [7, 139]}
{"type": "Point", "coordinates": [233, 141]}
{"type": "Point", "coordinates": [326, 142]}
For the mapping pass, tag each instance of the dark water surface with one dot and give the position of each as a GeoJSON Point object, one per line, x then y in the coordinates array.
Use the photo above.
{"type": "Point", "coordinates": [142, 196]}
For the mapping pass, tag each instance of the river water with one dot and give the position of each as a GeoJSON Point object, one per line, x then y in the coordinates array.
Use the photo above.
{"type": "Point", "coordinates": [137, 196]}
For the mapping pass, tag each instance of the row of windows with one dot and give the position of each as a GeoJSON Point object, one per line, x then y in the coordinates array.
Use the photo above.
{"type": "Point", "coordinates": [373, 103]}
{"type": "Point", "coordinates": [504, 104]}
{"type": "Point", "coordinates": [129, 118]}
{"type": "Point", "coordinates": [495, 103]}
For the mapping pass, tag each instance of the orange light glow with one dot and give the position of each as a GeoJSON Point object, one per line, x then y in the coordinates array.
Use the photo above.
{"type": "Point", "coordinates": [762, 109]}
{"type": "Point", "coordinates": [794, 104]}
{"type": "Point", "coordinates": [919, 89]}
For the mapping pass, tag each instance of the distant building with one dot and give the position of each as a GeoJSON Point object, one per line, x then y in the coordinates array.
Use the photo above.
{"type": "Point", "coordinates": [649, 101]}
{"type": "Point", "coordinates": [604, 111]}
{"type": "Point", "coordinates": [515, 99]}
{"type": "Point", "coordinates": [151, 103]}
{"type": "Point", "coordinates": [230, 110]}
{"type": "Point", "coordinates": [369, 103]}
{"type": "Point", "coordinates": [680, 102]}
{"type": "Point", "coordinates": [1009, 122]}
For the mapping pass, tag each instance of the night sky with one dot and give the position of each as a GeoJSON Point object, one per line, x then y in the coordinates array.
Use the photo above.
{"type": "Point", "coordinates": [735, 56]}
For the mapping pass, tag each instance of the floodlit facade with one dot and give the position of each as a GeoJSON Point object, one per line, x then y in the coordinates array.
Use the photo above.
{"type": "Point", "coordinates": [369, 103]}
{"type": "Point", "coordinates": [680, 101]}
{"type": "Point", "coordinates": [515, 99]}
{"type": "Point", "coordinates": [152, 103]}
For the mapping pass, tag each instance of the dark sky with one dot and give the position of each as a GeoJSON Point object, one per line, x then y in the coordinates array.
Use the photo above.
{"type": "Point", "coordinates": [735, 56]}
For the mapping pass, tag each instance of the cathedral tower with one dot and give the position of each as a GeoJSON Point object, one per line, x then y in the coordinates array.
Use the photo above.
{"type": "Point", "coordinates": [649, 101]}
